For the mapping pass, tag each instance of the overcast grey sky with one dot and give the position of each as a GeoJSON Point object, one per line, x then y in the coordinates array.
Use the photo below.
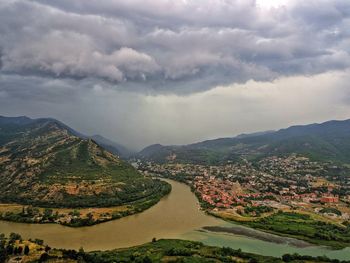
{"type": "Point", "coordinates": [172, 72]}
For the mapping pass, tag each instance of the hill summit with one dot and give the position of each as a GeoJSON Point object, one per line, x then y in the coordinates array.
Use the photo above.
{"type": "Point", "coordinates": [43, 162]}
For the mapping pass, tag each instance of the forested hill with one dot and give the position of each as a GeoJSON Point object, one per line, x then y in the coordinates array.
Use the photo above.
{"type": "Point", "coordinates": [44, 162]}
{"type": "Point", "coordinates": [328, 141]}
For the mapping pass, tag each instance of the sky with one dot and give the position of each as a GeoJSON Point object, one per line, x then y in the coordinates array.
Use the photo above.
{"type": "Point", "coordinates": [174, 72]}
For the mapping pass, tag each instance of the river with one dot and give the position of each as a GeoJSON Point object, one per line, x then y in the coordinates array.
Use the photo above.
{"type": "Point", "coordinates": [175, 216]}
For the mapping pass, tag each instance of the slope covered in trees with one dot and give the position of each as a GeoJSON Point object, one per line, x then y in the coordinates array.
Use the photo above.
{"type": "Point", "coordinates": [45, 163]}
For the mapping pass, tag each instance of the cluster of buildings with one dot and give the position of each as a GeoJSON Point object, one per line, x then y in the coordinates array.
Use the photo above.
{"type": "Point", "coordinates": [218, 193]}
{"type": "Point", "coordinates": [290, 182]}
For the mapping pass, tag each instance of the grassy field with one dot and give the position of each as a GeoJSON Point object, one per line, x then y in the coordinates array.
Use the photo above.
{"type": "Point", "coordinates": [176, 251]}
{"type": "Point", "coordinates": [167, 250]}
{"type": "Point", "coordinates": [303, 226]}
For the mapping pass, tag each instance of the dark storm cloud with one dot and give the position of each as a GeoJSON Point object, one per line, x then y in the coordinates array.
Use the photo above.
{"type": "Point", "coordinates": [172, 46]}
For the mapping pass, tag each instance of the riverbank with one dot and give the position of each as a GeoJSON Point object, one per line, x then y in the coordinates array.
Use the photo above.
{"type": "Point", "coordinates": [249, 232]}
{"type": "Point", "coordinates": [78, 217]}
{"type": "Point", "coordinates": [298, 226]}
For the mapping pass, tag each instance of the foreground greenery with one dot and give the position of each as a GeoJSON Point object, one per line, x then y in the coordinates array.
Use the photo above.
{"type": "Point", "coordinates": [13, 247]}
{"type": "Point", "coordinates": [185, 251]}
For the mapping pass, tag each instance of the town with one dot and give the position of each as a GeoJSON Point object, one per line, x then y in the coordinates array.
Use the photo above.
{"type": "Point", "coordinates": [245, 190]}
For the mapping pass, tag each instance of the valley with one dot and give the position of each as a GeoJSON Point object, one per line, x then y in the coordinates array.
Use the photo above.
{"type": "Point", "coordinates": [159, 131]}
{"type": "Point", "coordinates": [53, 174]}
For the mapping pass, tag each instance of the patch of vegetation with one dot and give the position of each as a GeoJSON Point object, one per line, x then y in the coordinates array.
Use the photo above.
{"type": "Point", "coordinates": [175, 251]}
{"type": "Point", "coordinates": [38, 215]}
{"type": "Point", "coordinates": [330, 210]}
{"type": "Point", "coordinates": [164, 250]}
{"type": "Point", "coordinates": [303, 227]}
{"type": "Point", "coordinates": [189, 251]}
{"type": "Point", "coordinates": [257, 210]}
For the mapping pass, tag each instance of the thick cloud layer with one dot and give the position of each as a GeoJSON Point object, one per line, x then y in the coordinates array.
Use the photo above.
{"type": "Point", "coordinates": [137, 120]}
{"type": "Point", "coordinates": [136, 70]}
{"type": "Point", "coordinates": [173, 46]}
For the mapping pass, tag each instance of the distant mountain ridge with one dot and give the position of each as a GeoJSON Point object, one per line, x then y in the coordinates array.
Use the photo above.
{"type": "Point", "coordinates": [20, 120]}
{"type": "Point", "coordinates": [328, 141]}
{"type": "Point", "coordinates": [24, 120]}
{"type": "Point", "coordinates": [112, 146]}
{"type": "Point", "coordinates": [46, 163]}
{"type": "Point", "coordinates": [109, 145]}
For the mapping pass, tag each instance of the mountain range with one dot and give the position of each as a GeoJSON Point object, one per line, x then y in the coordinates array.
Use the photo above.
{"type": "Point", "coordinates": [46, 163]}
{"type": "Point", "coordinates": [328, 141]}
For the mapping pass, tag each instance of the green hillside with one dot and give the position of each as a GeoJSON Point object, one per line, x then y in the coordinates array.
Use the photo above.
{"type": "Point", "coordinates": [329, 141]}
{"type": "Point", "coordinates": [43, 162]}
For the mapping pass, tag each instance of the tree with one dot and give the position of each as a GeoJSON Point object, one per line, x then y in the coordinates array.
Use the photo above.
{"type": "Point", "coordinates": [56, 215]}
{"type": "Point", "coordinates": [30, 211]}
{"type": "Point", "coordinates": [14, 237]}
{"type": "Point", "coordinates": [48, 213]}
{"type": "Point", "coordinates": [75, 213]}
{"type": "Point", "coordinates": [3, 255]}
{"type": "Point", "coordinates": [26, 250]}
{"type": "Point", "coordinates": [36, 211]}
{"type": "Point", "coordinates": [40, 242]}
{"type": "Point", "coordinates": [154, 240]}
{"type": "Point", "coordinates": [147, 259]}
{"type": "Point", "coordinates": [44, 257]}
{"type": "Point", "coordinates": [80, 259]}
{"type": "Point", "coordinates": [47, 248]}
{"type": "Point", "coordinates": [287, 258]}
{"type": "Point", "coordinates": [90, 218]}
{"type": "Point", "coordinates": [9, 249]}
